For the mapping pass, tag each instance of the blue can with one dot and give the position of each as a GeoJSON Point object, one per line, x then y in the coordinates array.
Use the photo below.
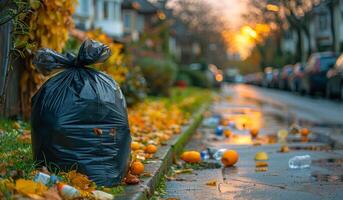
{"type": "Point", "coordinates": [219, 131]}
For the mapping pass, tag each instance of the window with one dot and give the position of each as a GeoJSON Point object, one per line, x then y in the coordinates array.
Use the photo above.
{"type": "Point", "coordinates": [84, 6]}
{"type": "Point", "coordinates": [323, 21]}
{"type": "Point", "coordinates": [116, 11]}
{"type": "Point", "coordinates": [105, 9]}
{"type": "Point", "coordinates": [127, 21]}
{"type": "Point", "coordinates": [140, 23]}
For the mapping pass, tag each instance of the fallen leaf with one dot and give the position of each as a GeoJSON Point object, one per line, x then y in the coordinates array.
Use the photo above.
{"type": "Point", "coordinates": [131, 179]}
{"type": "Point", "coordinates": [16, 125]}
{"type": "Point", "coordinates": [80, 181]}
{"type": "Point", "coordinates": [97, 131]}
{"type": "Point", "coordinates": [284, 149]}
{"type": "Point", "coordinates": [212, 183]}
{"type": "Point", "coordinates": [146, 174]}
{"type": "Point", "coordinates": [28, 187]}
{"type": "Point", "coordinates": [52, 194]}
{"type": "Point", "coordinates": [112, 132]}
{"type": "Point", "coordinates": [182, 171]}
{"type": "Point", "coordinates": [25, 137]}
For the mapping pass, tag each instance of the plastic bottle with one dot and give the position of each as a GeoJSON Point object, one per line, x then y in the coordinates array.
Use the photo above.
{"type": "Point", "coordinates": [204, 155]}
{"type": "Point", "coordinates": [102, 195]}
{"type": "Point", "coordinates": [42, 178]}
{"type": "Point", "coordinates": [300, 162]}
{"type": "Point", "coordinates": [218, 154]}
{"type": "Point", "coordinates": [46, 179]}
{"type": "Point", "coordinates": [67, 191]}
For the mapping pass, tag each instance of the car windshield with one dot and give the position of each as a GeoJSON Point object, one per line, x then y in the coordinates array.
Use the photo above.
{"type": "Point", "coordinates": [327, 62]}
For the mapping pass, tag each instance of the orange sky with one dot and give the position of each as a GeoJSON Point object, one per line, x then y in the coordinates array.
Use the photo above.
{"type": "Point", "coordinates": [232, 9]}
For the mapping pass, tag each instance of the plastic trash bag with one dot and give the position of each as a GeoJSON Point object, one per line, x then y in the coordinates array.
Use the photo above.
{"type": "Point", "coordinates": [79, 116]}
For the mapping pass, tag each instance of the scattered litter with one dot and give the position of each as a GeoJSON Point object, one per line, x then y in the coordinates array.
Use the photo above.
{"type": "Point", "coordinates": [204, 155]}
{"type": "Point", "coordinates": [300, 162]}
{"type": "Point", "coordinates": [217, 155]}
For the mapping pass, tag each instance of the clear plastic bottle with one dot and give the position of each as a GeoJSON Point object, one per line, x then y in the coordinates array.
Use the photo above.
{"type": "Point", "coordinates": [300, 162]}
{"type": "Point", "coordinates": [218, 154]}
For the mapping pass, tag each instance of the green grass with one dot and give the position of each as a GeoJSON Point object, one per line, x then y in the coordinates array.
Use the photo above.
{"type": "Point", "coordinates": [189, 99]}
{"type": "Point", "coordinates": [15, 156]}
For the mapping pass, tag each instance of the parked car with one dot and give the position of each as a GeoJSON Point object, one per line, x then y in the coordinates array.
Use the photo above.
{"type": "Point", "coordinates": [314, 79]}
{"type": "Point", "coordinates": [334, 86]}
{"type": "Point", "coordinates": [268, 77]}
{"type": "Point", "coordinates": [295, 78]}
{"type": "Point", "coordinates": [286, 71]}
{"type": "Point", "coordinates": [275, 79]}
{"type": "Point", "coordinates": [254, 79]}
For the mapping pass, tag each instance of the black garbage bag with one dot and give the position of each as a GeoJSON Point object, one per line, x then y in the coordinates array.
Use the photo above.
{"type": "Point", "coordinates": [79, 116]}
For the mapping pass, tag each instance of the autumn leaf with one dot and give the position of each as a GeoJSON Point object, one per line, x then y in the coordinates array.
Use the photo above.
{"type": "Point", "coordinates": [212, 183]}
{"type": "Point", "coordinates": [80, 181]}
{"type": "Point", "coordinates": [29, 187]}
{"type": "Point", "coordinates": [97, 131]}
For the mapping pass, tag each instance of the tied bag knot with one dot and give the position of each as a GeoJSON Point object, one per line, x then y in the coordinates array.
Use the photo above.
{"type": "Point", "coordinates": [91, 52]}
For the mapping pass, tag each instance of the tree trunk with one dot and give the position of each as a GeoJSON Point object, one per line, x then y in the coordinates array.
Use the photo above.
{"type": "Point", "coordinates": [335, 18]}
{"type": "Point", "coordinates": [308, 35]}
{"type": "Point", "coordinates": [5, 45]}
{"type": "Point", "coordinates": [299, 54]}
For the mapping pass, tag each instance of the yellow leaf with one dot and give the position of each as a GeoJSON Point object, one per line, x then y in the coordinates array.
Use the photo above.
{"type": "Point", "coordinates": [29, 187]}
{"type": "Point", "coordinates": [212, 183]}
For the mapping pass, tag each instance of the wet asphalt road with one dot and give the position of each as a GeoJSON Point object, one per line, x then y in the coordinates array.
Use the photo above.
{"type": "Point", "coordinates": [269, 111]}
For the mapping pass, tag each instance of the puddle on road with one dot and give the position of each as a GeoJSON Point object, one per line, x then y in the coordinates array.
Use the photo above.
{"type": "Point", "coordinates": [333, 165]}
{"type": "Point", "coordinates": [310, 148]}
{"type": "Point", "coordinates": [327, 178]}
{"type": "Point", "coordinates": [330, 162]}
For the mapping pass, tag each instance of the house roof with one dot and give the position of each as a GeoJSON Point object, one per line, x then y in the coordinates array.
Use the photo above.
{"type": "Point", "coordinates": [142, 6]}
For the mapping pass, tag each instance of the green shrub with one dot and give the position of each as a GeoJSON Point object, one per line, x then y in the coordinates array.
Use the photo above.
{"type": "Point", "coordinates": [134, 87]}
{"type": "Point", "coordinates": [197, 78]}
{"type": "Point", "coordinates": [159, 74]}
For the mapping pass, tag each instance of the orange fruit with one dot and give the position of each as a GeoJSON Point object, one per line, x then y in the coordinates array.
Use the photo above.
{"type": "Point", "coordinates": [305, 132]}
{"type": "Point", "coordinates": [135, 146]}
{"type": "Point", "coordinates": [227, 133]}
{"type": "Point", "coordinates": [230, 158]}
{"type": "Point", "coordinates": [191, 156]}
{"type": "Point", "coordinates": [254, 132]}
{"type": "Point", "coordinates": [151, 149]}
{"type": "Point", "coordinates": [137, 168]}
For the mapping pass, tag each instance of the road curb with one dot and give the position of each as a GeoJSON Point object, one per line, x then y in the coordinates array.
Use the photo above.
{"type": "Point", "coordinates": [165, 157]}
